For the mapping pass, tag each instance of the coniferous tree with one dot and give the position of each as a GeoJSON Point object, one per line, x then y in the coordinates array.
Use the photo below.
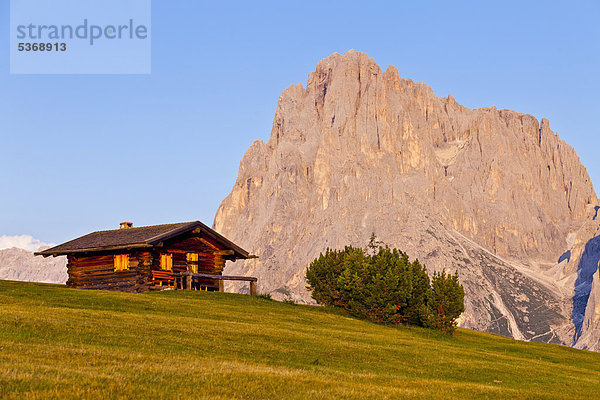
{"type": "Point", "coordinates": [383, 285]}
{"type": "Point", "coordinates": [446, 301]}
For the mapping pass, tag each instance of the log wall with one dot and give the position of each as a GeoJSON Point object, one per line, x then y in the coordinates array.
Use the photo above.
{"type": "Point", "coordinates": [98, 272]}
{"type": "Point", "coordinates": [209, 262]}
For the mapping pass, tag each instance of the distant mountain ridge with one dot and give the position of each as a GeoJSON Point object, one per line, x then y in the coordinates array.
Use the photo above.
{"type": "Point", "coordinates": [493, 193]}
{"type": "Point", "coordinates": [21, 265]}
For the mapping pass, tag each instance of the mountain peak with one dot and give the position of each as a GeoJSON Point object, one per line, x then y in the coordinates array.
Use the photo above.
{"type": "Point", "coordinates": [358, 151]}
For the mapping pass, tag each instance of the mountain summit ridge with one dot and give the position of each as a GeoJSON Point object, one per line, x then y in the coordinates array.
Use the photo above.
{"type": "Point", "coordinates": [492, 193]}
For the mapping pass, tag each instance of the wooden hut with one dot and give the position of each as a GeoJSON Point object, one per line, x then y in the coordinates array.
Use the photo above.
{"type": "Point", "coordinates": [186, 255]}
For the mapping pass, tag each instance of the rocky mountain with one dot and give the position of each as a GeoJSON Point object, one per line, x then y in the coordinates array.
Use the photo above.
{"type": "Point", "coordinates": [21, 265]}
{"type": "Point", "coordinates": [494, 194]}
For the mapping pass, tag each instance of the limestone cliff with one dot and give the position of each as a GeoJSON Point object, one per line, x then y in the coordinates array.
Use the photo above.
{"type": "Point", "coordinates": [492, 193]}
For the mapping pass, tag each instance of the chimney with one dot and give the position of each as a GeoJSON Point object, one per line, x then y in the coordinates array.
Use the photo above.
{"type": "Point", "coordinates": [126, 225]}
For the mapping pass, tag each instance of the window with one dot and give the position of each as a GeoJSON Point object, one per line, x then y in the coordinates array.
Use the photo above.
{"type": "Point", "coordinates": [166, 262]}
{"type": "Point", "coordinates": [192, 259]}
{"type": "Point", "coordinates": [121, 262]}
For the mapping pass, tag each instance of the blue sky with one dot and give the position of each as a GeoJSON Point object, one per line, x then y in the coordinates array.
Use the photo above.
{"type": "Point", "coordinates": [84, 152]}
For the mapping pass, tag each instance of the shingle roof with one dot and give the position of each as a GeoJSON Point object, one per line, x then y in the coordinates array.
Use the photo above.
{"type": "Point", "coordinates": [146, 236]}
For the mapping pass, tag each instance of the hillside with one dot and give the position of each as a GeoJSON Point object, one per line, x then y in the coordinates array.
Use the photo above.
{"type": "Point", "coordinates": [65, 343]}
{"type": "Point", "coordinates": [494, 194]}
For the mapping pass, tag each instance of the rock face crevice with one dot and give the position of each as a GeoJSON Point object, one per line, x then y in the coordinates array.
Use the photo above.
{"type": "Point", "coordinates": [494, 194]}
{"type": "Point", "coordinates": [587, 268]}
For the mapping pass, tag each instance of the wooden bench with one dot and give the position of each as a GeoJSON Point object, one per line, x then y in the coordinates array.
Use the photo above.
{"type": "Point", "coordinates": [191, 281]}
{"type": "Point", "coordinates": [187, 277]}
{"type": "Point", "coordinates": [163, 278]}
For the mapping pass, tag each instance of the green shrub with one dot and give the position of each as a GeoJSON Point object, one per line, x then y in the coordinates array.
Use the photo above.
{"type": "Point", "coordinates": [446, 301]}
{"type": "Point", "coordinates": [326, 269]}
{"type": "Point", "coordinates": [382, 285]}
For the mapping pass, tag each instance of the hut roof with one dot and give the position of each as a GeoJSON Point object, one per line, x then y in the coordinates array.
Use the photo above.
{"type": "Point", "coordinates": [142, 237]}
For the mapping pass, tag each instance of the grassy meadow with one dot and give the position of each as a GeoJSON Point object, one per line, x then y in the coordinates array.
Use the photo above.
{"type": "Point", "coordinates": [65, 343]}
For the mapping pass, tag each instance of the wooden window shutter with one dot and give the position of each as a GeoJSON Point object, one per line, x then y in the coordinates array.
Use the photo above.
{"type": "Point", "coordinates": [121, 262]}
{"type": "Point", "coordinates": [166, 262]}
{"type": "Point", "coordinates": [192, 259]}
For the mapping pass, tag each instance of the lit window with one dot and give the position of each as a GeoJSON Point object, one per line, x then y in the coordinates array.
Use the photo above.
{"type": "Point", "coordinates": [166, 262]}
{"type": "Point", "coordinates": [192, 259]}
{"type": "Point", "coordinates": [121, 262]}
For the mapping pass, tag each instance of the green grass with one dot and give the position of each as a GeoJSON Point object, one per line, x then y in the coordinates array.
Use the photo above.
{"type": "Point", "coordinates": [65, 343]}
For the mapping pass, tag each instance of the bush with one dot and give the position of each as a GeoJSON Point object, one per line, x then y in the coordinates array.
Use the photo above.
{"type": "Point", "coordinates": [446, 301]}
{"type": "Point", "coordinates": [382, 285]}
